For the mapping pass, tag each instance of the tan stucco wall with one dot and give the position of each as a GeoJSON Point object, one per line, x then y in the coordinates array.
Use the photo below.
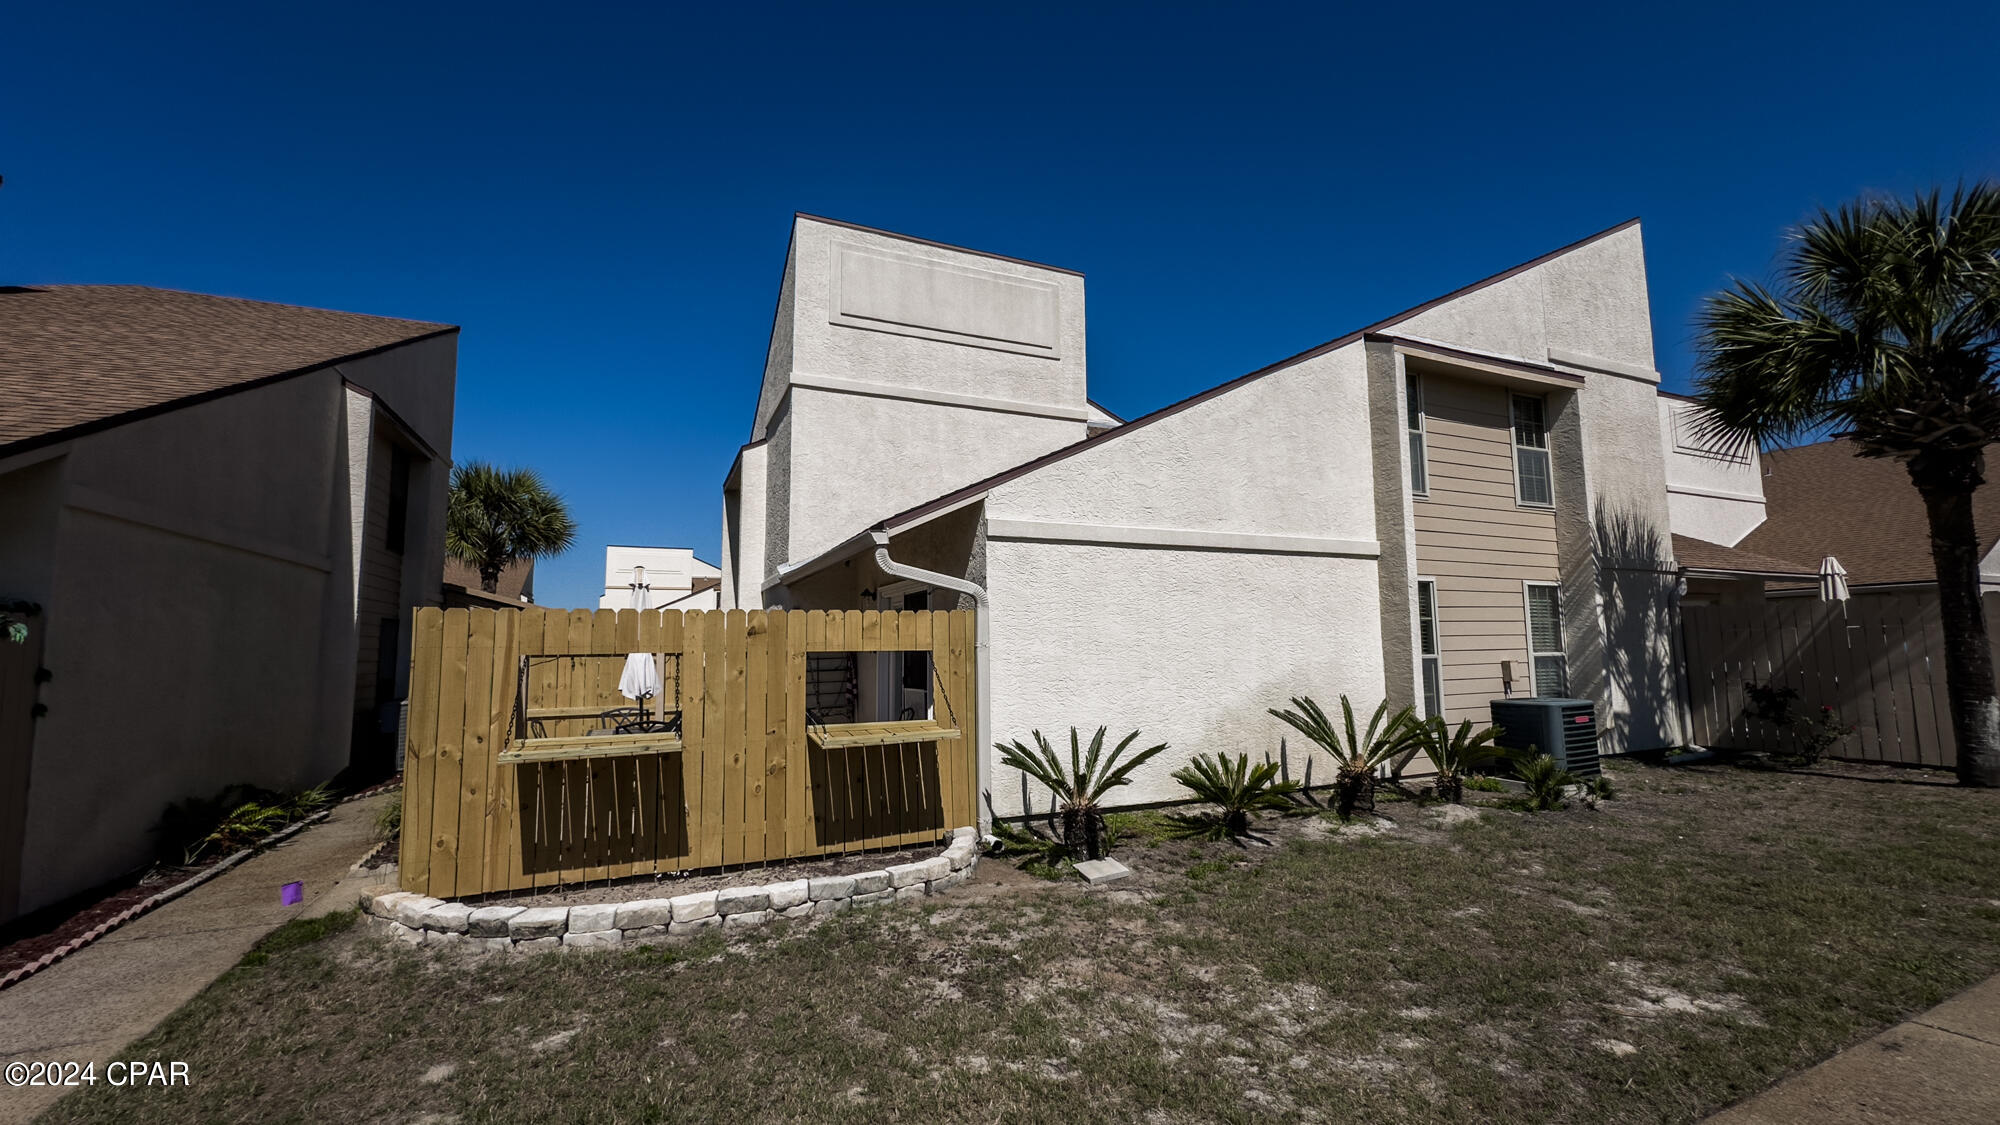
{"type": "Point", "coordinates": [200, 615]}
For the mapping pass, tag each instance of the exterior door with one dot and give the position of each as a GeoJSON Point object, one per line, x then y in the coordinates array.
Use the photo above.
{"type": "Point", "coordinates": [906, 676]}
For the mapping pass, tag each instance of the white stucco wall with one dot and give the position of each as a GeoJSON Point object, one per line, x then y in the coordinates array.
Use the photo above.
{"type": "Point", "coordinates": [1287, 454]}
{"type": "Point", "coordinates": [1714, 493]}
{"type": "Point", "coordinates": [856, 459]}
{"type": "Point", "coordinates": [898, 371]}
{"type": "Point", "coordinates": [1188, 647]}
{"type": "Point", "coordinates": [1239, 572]}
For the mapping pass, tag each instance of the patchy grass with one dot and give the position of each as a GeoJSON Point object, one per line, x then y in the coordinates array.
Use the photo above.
{"type": "Point", "coordinates": [1652, 960]}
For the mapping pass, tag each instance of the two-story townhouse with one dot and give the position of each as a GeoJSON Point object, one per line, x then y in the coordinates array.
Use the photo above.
{"type": "Point", "coordinates": [1459, 502]}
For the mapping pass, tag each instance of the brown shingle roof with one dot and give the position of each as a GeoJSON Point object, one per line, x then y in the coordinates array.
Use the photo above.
{"type": "Point", "coordinates": [1700, 554]}
{"type": "Point", "coordinates": [1823, 500]}
{"type": "Point", "coordinates": [516, 578]}
{"type": "Point", "coordinates": [79, 357]}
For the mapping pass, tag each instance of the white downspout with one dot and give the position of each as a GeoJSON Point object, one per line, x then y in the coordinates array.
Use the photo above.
{"type": "Point", "coordinates": [982, 615]}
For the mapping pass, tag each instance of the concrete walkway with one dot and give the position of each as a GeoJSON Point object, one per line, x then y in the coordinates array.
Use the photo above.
{"type": "Point", "coordinates": [91, 1005]}
{"type": "Point", "coordinates": [1941, 1068]}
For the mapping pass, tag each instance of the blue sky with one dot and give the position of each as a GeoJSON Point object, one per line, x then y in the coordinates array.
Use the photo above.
{"type": "Point", "coordinates": [601, 197]}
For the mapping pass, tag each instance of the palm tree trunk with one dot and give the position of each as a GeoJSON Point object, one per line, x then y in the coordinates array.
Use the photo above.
{"type": "Point", "coordinates": [489, 578]}
{"type": "Point", "coordinates": [1946, 484]}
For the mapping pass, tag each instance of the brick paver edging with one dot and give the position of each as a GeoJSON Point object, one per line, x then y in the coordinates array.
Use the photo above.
{"type": "Point", "coordinates": [421, 920]}
{"type": "Point", "coordinates": [148, 904]}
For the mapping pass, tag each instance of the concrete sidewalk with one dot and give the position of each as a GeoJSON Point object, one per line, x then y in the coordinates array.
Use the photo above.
{"type": "Point", "coordinates": [1941, 1068]}
{"type": "Point", "coordinates": [89, 1006]}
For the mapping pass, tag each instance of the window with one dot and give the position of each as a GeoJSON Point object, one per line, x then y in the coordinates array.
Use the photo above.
{"type": "Point", "coordinates": [1545, 639]}
{"type": "Point", "coordinates": [1531, 453]}
{"type": "Point", "coordinates": [1413, 388]}
{"type": "Point", "coordinates": [1427, 632]}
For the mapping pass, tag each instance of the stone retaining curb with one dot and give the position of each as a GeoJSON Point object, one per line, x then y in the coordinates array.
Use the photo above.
{"type": "Point", "coordinates": [421, 920]}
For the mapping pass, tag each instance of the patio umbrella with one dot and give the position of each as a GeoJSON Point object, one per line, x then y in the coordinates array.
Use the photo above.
{"type": "Point", "coordinates": [641, 679]}
{"type": "Point", "coordinates": [1833, 582]}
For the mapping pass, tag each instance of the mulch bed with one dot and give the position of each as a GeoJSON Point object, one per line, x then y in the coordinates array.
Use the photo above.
{"type": "Point", "coordinates": [32, 947]}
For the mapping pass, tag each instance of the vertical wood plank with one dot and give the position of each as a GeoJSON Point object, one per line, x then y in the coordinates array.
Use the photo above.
{"type": "Point", "coordinates": [735, 637]}
{"type": "Point", "coordinates": [603, 803]}
{"type": "Point", "coordinates": [776, 760]}
{"type": "Point", "coordinates": [477, 763]}
{"type": "Point", "coordinates": [715, 749]}
{"type": "Point", "coordinates": [576, 775]}
{"type": "Point", "coordinates": [963, 653]}
{"type": "Point", "coordinates": [450, 756]}
{"type": "Point", "coordinates": [756, 735]}
{"type": "Point", "coordinates": [420, 748]}
{"type": "Point", "coordinates": [799, 835]}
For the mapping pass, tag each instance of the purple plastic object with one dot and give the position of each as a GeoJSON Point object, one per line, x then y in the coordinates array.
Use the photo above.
{"type": "Point", "coordinates": [292, 894]}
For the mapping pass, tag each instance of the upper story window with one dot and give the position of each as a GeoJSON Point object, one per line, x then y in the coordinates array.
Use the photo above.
{"type": "Point", "coordinates": [1532, 482]}
{"type": "Point", "coordinates": [1413, 388]}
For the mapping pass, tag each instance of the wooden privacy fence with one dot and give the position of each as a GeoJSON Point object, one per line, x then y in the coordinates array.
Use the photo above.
{"type": "Point", "coordinates": [506, 788]}
{"type": "Point", "coordinates": [1879, 665]}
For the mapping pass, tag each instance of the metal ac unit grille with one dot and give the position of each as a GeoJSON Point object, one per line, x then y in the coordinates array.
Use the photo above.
{"type": "Point", "coordinates": [1564, 729]}
{"type": "Point", "coordinates": [1579, 740]}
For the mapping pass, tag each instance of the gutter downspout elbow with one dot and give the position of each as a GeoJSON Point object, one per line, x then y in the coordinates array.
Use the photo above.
{"type": "Point", "coordinates": [982, 623]}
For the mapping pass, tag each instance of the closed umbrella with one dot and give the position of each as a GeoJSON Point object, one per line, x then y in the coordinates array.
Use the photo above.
{"type": "Point", "coordinates": [1833, 582]}
{"type": "Point", "coordinates": [641, 679]}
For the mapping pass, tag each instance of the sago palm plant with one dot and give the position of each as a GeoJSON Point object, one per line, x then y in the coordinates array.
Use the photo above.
{"type": "Point", "coordinates": [1237, 788]}
{"type": "Point", "coordinates": [1355, 755]}
{"type": "Point", "coordinates": [1547, 783]}
{"type": "Point", "coordinates": [1884, 328]}
{"type": "Point", "coordinates": [1457, 754]}
{"type": "Point", "coordinates": [1080, 788]}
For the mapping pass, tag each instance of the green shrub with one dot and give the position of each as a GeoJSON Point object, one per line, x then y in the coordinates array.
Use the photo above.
{"type": "Point", "coordinates": [389, 822]}
{"type": "Point", "coordinates": [1484, 785]}
{"type": "Point", "coordinates": [1546, 782]}
{"type": "Point", "coordinates": [1456, 754]}
{"type": "Point", "coordinates": [1235, 787]}
{"type": "Point", "coordinates": [1079, 790]}
{"type": "Point", "coordinates": [1355, 756]}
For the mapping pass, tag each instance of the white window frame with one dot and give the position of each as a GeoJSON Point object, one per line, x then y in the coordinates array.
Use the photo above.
{"type": "Point", "coordinates": [1534, 654]}
{"type": "Point", "coordinates": [1514, 439]}
{"type": "Point", "coordinates": [1417, 438]}
{"type": "Point", "coordinates": [1433, 659]}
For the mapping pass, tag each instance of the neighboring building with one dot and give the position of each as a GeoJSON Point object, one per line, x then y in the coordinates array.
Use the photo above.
{"type": "Point", "coordinates": [226, 510]}
{"type": "Point", "coordinates": [673, 577]}
{"type": "Point", "coordinates": [516, 585]}
{"type": "Point", "coordinates": [1463, 500]}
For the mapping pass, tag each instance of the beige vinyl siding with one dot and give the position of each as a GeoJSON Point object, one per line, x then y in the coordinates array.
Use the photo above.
{"type": "Point", "coordinates": [381, 592]}
{"type": "Point", "coordinates": [1478, 544]}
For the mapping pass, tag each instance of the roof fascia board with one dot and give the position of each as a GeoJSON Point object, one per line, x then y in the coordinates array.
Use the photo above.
{"type": "Point", "coordinates": [1499, 366]}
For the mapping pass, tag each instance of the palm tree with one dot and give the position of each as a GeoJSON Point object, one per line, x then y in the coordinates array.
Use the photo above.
{"type": "Point", "coordinates": [1884, 328]}
{"type": "Point", "coordinates": [500, 516]}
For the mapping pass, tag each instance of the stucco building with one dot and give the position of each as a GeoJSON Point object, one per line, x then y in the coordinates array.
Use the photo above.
{"type": "Point", "coordinates": [1461, 501]}
{"type": "Point", "coordinates": [225, 511]}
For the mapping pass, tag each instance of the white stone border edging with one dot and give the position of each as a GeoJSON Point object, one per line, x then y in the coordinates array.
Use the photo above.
{"type": "Point", "coordinates": [422, 920]}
